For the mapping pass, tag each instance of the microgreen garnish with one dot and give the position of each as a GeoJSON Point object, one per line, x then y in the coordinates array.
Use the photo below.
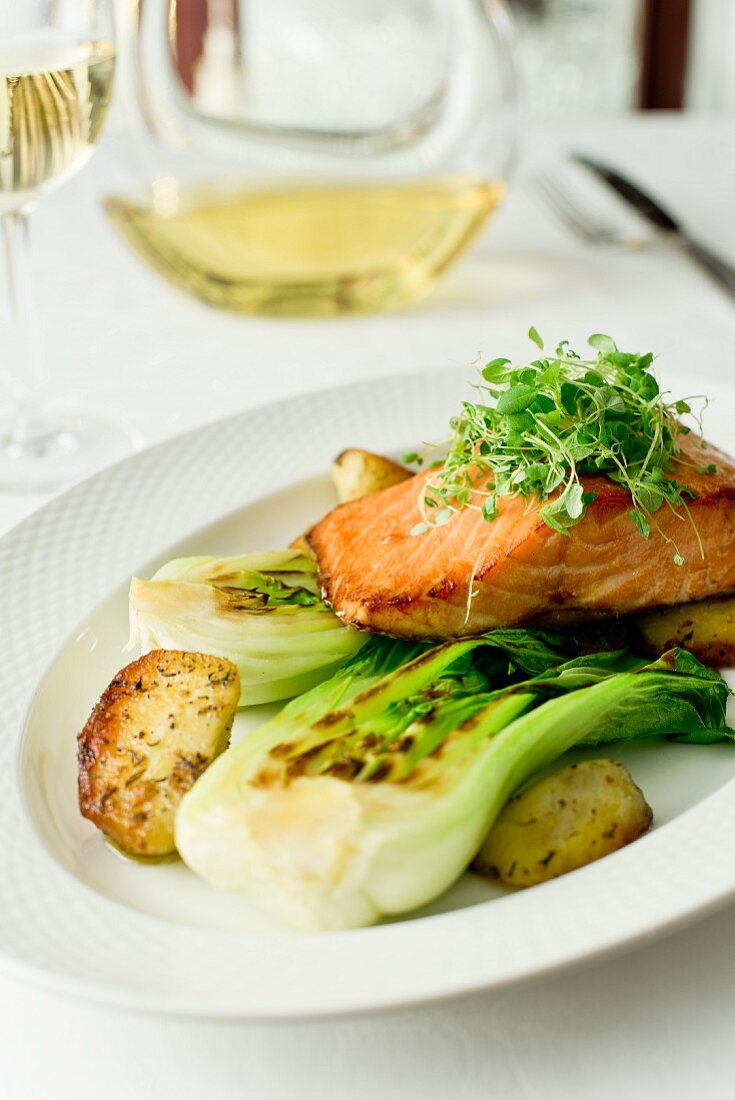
{"type": "Point", "coordinates": [551, 422]}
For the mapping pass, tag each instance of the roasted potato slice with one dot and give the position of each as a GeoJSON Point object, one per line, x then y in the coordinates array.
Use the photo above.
{"type": "Point", "coordinates": [358, 473]}
{"type": "Point", "coordinates": [705, 628]}
{"type": "Point", "coordinates": [157, 727]}
{"type": "Point", "coordinates": [561, 823]}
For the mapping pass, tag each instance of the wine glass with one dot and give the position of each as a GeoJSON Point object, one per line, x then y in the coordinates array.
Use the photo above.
{"type": "Point", "coordinates": [320, 156]}
{"type": "Point", "coordinates": [57, 63]}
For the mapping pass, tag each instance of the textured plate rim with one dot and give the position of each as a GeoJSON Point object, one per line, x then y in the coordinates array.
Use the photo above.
{"type": "Point", "coordinates": [670, 877]}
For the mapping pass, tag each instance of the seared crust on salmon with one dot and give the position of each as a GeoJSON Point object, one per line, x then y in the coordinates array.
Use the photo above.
{"type": "Point", "coordinates": [471, 575]}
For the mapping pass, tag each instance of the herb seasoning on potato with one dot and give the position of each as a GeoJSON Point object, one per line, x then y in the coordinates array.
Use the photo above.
{"type": "Point", "coordinates": [563, 822]}
{"type": "Point", "coordinates": [158, 726]}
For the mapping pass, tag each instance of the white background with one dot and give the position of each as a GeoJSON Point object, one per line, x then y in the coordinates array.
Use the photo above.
{"type": "Point", "coordinates": [123, 343]}
{"type": "Point", "coordinates": [710, 71]}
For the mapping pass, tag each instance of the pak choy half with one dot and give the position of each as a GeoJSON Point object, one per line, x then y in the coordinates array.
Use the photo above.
{"type": "Point", "coordinates": [369, 795]}
{"type": "Point", "coordinates": [262, 611]}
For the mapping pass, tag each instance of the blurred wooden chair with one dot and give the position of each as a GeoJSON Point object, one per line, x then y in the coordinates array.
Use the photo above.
{"type": "Point", "coordinates": [664, 53]}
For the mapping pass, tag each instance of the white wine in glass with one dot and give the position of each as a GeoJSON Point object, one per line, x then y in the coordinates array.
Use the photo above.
{"type": "Point", "coordinates": [57, 64]}
{"type": "Point", "coordinates": [311, 251]}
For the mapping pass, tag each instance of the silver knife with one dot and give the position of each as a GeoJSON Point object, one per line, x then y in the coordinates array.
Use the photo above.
{"type": "Point", "coordinates": [652, 210]}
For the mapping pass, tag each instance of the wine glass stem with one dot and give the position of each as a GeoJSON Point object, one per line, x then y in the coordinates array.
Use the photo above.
{"type": "Point", "coordinates": [25, 373]}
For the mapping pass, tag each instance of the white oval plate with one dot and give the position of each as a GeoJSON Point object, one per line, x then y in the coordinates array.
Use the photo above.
{"type": "Point", "coordinates": [79, 918]}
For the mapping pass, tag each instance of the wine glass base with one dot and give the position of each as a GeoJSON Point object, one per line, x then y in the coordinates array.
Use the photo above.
{"type": "Point", "coordinates": [57, 450]}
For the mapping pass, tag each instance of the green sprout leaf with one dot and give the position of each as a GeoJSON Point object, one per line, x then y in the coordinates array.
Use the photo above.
{"type": "Point", "coordinates": [533, 335]}
{"type": "Point", "coordinates": [640, 521]}
{"type": "Point", "coordinates": [604, 344]}
{"type": "Point", "coordinates": [516, 399]}
{"type": "Point", "coordinates": [650, 497]}
{"type": "Point", "coordinates": [573, 498]}
{"type": "Point", "coordinates": [489, 507]}
{"type": "Point", "coordinates": [496, 370]}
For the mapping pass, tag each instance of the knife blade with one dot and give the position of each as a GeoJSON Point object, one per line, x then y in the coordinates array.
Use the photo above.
{"type": "Point", "coordinates": [652, 210]}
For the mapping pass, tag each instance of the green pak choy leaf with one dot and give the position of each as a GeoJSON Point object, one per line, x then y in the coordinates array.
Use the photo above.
{"type": "Point", "coordinates": [366, 800]}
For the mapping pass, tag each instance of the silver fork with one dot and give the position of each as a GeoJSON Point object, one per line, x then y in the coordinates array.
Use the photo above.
{"type": "Point", "coordinates": [585, 225]}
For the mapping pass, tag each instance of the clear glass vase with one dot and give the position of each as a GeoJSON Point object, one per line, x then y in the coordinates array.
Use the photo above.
{"type": "Point", "coordinates": [324, 156]}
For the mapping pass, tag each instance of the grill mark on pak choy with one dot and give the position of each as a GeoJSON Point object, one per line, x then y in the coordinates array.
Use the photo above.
{"type": "Point", "coordinates": [442, 720]}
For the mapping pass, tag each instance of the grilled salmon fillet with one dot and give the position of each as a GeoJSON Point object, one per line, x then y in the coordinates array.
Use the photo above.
{"type": "Point", "coordinates": [471, 575]}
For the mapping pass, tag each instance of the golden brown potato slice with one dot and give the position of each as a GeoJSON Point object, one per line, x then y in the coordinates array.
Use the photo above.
{"type": "Point", "coordinates": [561, 823]}
{"type": "Point", "coordinates": [159, 724]}
{"type": "Point", "coordinates": [705, 628]}
{"type": "Point", "coordinates": [358, 473]}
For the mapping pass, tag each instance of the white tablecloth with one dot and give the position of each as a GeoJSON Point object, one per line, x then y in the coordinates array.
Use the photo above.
{"type": "Point", "coordinates": [124, 343]}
